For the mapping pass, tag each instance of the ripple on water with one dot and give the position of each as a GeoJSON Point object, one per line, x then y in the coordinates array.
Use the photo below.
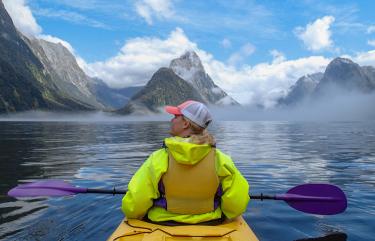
{"type": "Point", "coordinates": [273, 156]}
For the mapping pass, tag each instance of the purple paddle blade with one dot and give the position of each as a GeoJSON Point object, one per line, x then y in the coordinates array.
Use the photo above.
{"type": "Point", "coordinates": [324, 199]}
{"type": "Point", "coordinates": [45, 188]}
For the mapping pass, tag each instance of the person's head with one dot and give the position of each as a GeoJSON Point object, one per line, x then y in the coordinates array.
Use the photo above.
{"type": "Point", "coordinates": [191, 118]}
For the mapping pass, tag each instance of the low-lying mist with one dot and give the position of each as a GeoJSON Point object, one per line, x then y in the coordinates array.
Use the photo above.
{"type": "Point", "coordinates": [92, 116]}
{"type": "Point", "coordinates": [349, 107]}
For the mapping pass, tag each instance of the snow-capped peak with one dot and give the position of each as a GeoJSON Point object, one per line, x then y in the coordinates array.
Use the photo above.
{"type": "Point", "coordinates": [187, 65]}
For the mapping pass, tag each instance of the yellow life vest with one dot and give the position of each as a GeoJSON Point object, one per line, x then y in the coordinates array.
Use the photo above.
{"type": "Point", "coordinates": [190, 189]}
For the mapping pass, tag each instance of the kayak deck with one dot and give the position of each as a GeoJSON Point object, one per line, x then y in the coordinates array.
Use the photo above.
{"type": "Point", "coordinates": [138, 230]}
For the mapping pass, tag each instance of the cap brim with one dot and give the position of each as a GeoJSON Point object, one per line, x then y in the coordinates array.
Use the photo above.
{"type": "Point", "coordinates": [173, 110]}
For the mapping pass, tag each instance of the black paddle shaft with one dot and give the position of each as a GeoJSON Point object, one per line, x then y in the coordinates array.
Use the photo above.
{"type": "Point", "coordinates": [113, 191]}
{"type": "Point", "coordinates": [263, 197]}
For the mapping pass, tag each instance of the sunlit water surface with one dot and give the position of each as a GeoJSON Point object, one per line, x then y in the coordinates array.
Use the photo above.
{"type": "Point", "coordinates": [273, 156]}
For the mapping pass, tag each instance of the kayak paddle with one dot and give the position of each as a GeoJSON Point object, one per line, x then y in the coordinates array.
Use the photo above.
{"type": "Point", "coordinates": [54, 188]}
{"type": "Point", "coordinates": [324, 199]}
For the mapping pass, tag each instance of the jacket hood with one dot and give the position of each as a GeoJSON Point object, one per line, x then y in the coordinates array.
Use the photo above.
{"type": "Point", "coordinates": [185, 152]}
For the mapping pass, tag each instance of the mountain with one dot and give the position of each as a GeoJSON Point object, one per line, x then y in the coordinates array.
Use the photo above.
{"type": "Point", "coordinates": [37, 74]}
{"type": "Point", "coordinates": [19, 88]}
{"type": "Point", "coordinates": [344, 74]}
{"type": "Point", "coordinates": [164, 88]}
{"type": "Point", "coordinates": [25, 83]}
{"type": "Point", "coordinates": [189, 67]}
{"type": "Point", "coordinates": [72, 81]}
{"type": "Point", "coordinates": [341, 76]}
{"type": "Point", "coordinates": [302, 89]}
{"type": "Point", "coordinates": [69, 78]}
{"type": "Point", "coordinates": [110, 97]}
{"type": "Point", "coordinates": [184, 79]}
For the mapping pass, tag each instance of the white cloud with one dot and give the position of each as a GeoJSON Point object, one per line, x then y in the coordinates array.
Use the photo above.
{"type": "Point", "coordinates": [371, 42]}
{"type": "Point", "coordinates": [56, 40]}
{"type": "Point", "coordinates": [371, 29]}
{"type": "Point", "coordinates": [317, 35]}
{"type": "Point", "coordinates": [365, 58]}
{"type": "Point", "coordinates": [262, 84]}
{"type": "Point", "coordinates": [148, 9]}
{"type": "Point", "coordinates": [22, 17]}
{"type": "Point", "coordinates": [245, 51]}
{"type": "Point", "coordinates": [278, 56]}
{"type": "Point", "coordinates": [139, 58]}
{"type": "Point", "coordinates": [226, 43]}
{"type": "Point", "coordinates": [25, 22]}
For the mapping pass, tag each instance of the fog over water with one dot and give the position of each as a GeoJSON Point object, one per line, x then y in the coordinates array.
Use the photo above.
{"type": "Point", "coordinates": [344, 107]}
{"type": "Point", "coordinates": [352, 106]}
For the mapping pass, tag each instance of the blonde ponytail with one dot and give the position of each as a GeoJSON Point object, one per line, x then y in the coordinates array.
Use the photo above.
{"type": "Point", "coordinates": [200, 135]}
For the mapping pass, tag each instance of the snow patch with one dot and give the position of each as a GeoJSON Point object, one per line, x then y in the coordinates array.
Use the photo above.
{"type": "Point", "coordinates": [185, 73]}
{"type": "Point", "coordinates": [187, 66]}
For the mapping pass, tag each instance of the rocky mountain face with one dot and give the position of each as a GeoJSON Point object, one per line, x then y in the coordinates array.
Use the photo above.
{"type": "Point", "coordinates": [302, 89]}
{"type": "Point", "coordinates": [346, 75]}
{"type": "Point", "coordinates": [185, 79]}
{"type": "Point", "coordinates": [19, 69]}
{"type": "Point", "coordinates": [66, 75]}
{"type": "Point", "coordinates": [189, 67]}
{"type": "Point", "coordinates": [25, 82]}
{"type": "Point", "coordinates": [72, 81]}
{"type": "Point", "coordinates": [341, 76]}
{"type": "Point", "coordinates": [37, 74]}
{"type": "Point", "coordinates": [164, 88]}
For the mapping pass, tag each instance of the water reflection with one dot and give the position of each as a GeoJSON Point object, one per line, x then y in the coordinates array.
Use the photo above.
{"type": "Point", "coordinates": [273, 156]}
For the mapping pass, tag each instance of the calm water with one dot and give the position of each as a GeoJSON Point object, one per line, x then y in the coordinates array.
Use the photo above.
{"type": "Point", "coordinates": [273, 156]}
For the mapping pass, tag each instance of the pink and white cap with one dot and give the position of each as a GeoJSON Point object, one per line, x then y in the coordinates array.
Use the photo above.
{"type": "Point", "coordinates": [195, 111]}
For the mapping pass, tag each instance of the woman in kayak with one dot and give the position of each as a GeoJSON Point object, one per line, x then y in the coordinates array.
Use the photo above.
{"type": "Point", "coordinates": [189, 180]}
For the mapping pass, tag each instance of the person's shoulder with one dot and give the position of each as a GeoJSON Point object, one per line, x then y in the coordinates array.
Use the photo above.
{"type": "Point", "coordinates": [158, 160]}
{"type": "Point", "coordinates": [223, 158]}
{"type": "Point", "coordinates": [220, 153]}
{"type": "Point", "coordinates": [159, 153]}
{"type": "Point", "coordinates": [224, 164]}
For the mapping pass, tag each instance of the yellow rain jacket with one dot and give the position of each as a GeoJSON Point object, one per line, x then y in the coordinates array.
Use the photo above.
{"type": "Point", "coordinates": [143, 187]}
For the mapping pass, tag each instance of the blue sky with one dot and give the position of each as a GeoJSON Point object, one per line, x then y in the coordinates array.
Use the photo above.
{"type": "Point", "coordinates": [254, 50]}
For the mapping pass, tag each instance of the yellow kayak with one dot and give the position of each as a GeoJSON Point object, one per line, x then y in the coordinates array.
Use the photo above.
{"type": "Point", "coordinates": [137, 230]}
